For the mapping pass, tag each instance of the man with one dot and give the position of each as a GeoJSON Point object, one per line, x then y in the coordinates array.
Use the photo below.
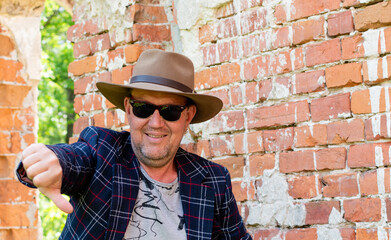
{"type": "Point", "coordinates": [140, 184]}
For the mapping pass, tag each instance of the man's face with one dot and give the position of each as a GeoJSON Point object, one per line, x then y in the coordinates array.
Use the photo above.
{"type": "Point", "coordinates": [154, 139]}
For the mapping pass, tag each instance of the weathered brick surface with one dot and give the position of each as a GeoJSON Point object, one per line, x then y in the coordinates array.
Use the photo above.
{"type": "Point", "coordinates": [305, 86]}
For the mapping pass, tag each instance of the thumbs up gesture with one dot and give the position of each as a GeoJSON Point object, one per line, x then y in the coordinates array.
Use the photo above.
{"type": "Point", "coordinates": [43, 168]}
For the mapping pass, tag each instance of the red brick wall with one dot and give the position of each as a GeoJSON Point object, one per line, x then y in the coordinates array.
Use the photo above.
{"type": "Point", "coordinates": [305, 130]}
{"type": "Point", "coordinates": [18, 204]}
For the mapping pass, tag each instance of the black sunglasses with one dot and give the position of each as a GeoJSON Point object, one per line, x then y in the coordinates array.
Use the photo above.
{"type": "Point", "coordinates": [168, 112]}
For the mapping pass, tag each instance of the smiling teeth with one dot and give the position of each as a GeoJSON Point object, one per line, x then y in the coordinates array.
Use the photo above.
{"type": "Point", "coordinates": [155, 136]}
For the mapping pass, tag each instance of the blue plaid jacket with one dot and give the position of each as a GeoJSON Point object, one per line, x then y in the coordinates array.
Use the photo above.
{"type": "Point", "coordinates": [101, 175]}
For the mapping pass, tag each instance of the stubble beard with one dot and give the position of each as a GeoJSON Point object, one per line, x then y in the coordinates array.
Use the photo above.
{"type": "Point", "coordinates": [149, 159]}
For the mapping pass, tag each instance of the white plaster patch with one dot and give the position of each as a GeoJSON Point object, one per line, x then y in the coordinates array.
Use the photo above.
{"type": "Point", "coordinates": [121, 116]}
{"type": "Point", "coordinates": [372, 69]}
{"type": "Point", "coordinates": [191, 47]}
{"type": "Point", "coordinates": [28, 41]}
{"type": "Point", "coordinates": [371, 41]}
{"type": "Point", "coordinates": [325, 233]}
{"type": "Point", "coordinates": [187, 13]}
{"type": "Point", "coordinates": [380, 181]}
{"type": "Point", "coordinates": [379, 156]}
{"type": "Point", "coordinates": [376, 124]}
{"type": "Point", "coordinates": [374, 95]}
{"type": "Point", "coordinates": [116, 63]}
{"type": "Point", "coordinates": [335, 217]}
{"type": "Point", "coordinates": [278, 91]}
{"type": "Point", "coordinates": [385, 67]}
{"type": "Point", "coordinates": [382, 234]}
{"type": "Point", "coordinates": [382, 41]}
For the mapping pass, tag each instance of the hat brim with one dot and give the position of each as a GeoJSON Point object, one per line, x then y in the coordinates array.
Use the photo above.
{"type": "Point", "coordinates": [207, 106]}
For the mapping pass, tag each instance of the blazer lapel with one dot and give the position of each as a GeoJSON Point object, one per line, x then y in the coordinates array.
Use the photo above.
{"type": "Point", "coordinates": [124, 194]}
{"type": "Point", "coordinates": [197, 198]}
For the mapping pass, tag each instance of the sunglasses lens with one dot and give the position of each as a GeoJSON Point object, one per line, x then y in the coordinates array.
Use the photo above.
{"type": "Point", "coordinates": [143, 110]}
{"type": "Point", "coordinates": [171, 113]}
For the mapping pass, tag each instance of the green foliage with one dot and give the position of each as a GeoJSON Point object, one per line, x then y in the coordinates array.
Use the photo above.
{"type": "Point", "coordinates": [55, 100]}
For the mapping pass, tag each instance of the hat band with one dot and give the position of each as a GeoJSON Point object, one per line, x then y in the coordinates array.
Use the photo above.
{"type": "Point", "coordinates": [161, 81]}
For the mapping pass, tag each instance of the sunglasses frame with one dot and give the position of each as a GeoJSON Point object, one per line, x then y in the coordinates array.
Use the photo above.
{"type": "Point", "coordinates": [160, 108]}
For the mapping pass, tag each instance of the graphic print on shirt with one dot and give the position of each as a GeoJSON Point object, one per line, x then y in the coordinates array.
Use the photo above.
{"type": "Point", "coordinates": [157, 213]}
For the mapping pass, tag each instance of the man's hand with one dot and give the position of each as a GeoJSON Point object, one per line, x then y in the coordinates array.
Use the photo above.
{"type": "Point", "coordinates": [43, 168]}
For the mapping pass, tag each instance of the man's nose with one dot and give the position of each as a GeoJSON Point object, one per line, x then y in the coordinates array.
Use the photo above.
{"type": "Point", "coordinates": [156, 119]}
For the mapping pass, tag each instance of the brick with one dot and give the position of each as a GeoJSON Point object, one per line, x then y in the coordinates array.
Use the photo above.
{"type": "Point", "coordinates": [75, 32]}
{"type": "Point", "coordinates": [372, 100]}
{"type": "Point", "coordinates": [5, 116]}
{"type": "Point", "coordinates": [9, 70]}
{"type": "Point", "coordinates": [253, 44]}
{"type": "Point", "coordinates": [340, 185]}
{"type": "Point", "coordinates": [132, 52]}
{"type": "Point", "coordinates": [16, 192]}
{"type": "Point", "coordinates": [265, 89]}
{"type": "Point", "coordinates": [226, 10]}
{"type": "Point", "coordinates": [227, 28]}
{"type": "Point", "coordinates": [308, 82]}
{"type": "Point", "coordinates": [244, 4]}
{"type": "Point", "coordinates": [256, 67]}
{"type": "Point", "coordinates": [82, 48]}
{"type": "Point", "coordinates": [274, 233]}
{"type": "Point", "coordinates": [80, 67]}
{"type": "Point", "coordinates": [281, 37]}
{"type": "Point", "coordinates": [331, 158]}
{"type": "Point", "coordinates": [352, 47]}
{"type": "Point", "coordinates": [319, 212]}
{"type": "Point", "coordinates": [297, 58]}
{"type": "Point", "coordinates": [239, 147]}
{"type": "Point", "coordinates": [240, 191]}
{"type": "Point", "coordinates": [303, 187]}
{"type": "Point", "coordinates": [301, 233]}
{"type": "Point", "coordinates": [254, 19]}
{"type": "Point", "coordinates": [377, 70]}
{"type": "Point", "coordinates": [207, 33]}
{"type": "Point", "coordinates": [251, 92]}
{"type": "Point", "coordinates": [227, 121]}
{"type": "Point", "coordinates": [122, 75]}
{"type": "Point", "coordinates": [331, 107]}
{"type": "Point", "coordinates": [308, 30]}
{"type": "Point", "coordinates": [235, 165]}
{"type": "Point", "coordinates": [280, 63]}
{"type": "Point", "coordinates": [203, 148]}
{"type": "Point", "coordinates": [223, 94]}
{"type": "Point", "coordinates": [151, 33]}
{"type": "Point", "coordinates": [388, 209]}
{"type": "Point", "coordinates": [80, 124]}
{"type": "Point", "coordinates": [324, 52]}
{"type": "Point", "coordinates": [283, 114]}
{"type": "Point", "coordinates": [18, 216]}
{"type": "Point", "coordinates": [303, 8]}
{"type": "Point", "coordinates": [310, 136]}
{"type": "Point", "coordinates": [280, 13]}
{"type": "Point", "coordinates": [7, 46]}
{"type": "Point", "coordinates": [340, 23]}
{"type": "Point", "coordinates": [368, 183]}
{"type": "Point", "coordinates": [18, 233]}
{"type": "Point", "coordinates": [374, 16]}
{"type": "Point", "coordinates": [91, 27]}
{"type": "Point", "coordinates": [217, 76]}
{"type": "Point", "coordinates": [345, 75]}
{"type": "Point", "coordinates": [13, 95]}
{"type": "Point", "coordinates": [236, 95]}
{"type": "Point", "coordinates": [83, 85]}
{"type": "Point", "coordinates": [376, 127]}
{"type": "Point", "coordinates": [367, 234]}
{"type": "Point", "coordinates": [7, 166]}
{"type": "Point", "coordinates": [369, 155]}
{"type": "Point", "coordinates": [348, 233]}
{"type": "Point", "coordinates": [362, 210]}
{"type": "Point", "coordinates": [261, 162]}
{"type": "Point", "coordinates": [255, 141]}
{"type": "Point", "coordinates": [278, 140]}
{"type": "Point", "coordinates": [100, 43]}
{"type": "Point", "coordinates": [221, 145]}
{"type": "Point", "coordinates": [345, 131]}
{"type": "Point", "coordinates": [297, 161]}
{"type": "Point", "coordinates": [147, 14]}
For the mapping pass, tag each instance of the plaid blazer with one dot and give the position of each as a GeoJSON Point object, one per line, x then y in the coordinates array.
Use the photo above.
{"type": "Point", "coordinates": [101, 175]}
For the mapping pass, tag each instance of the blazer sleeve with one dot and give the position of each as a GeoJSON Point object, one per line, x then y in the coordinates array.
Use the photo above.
{"type": "Point", "coordinates": [232, 225]}
{"type": "Point", "coordinates": [77, 160]}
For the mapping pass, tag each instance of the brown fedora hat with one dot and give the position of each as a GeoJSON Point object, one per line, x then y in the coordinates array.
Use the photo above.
{"type": "Point", "coordinates": [161, 71]}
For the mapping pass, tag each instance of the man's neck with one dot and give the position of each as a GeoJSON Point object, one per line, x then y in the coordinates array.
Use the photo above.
{"type": "Point", "coordinates": [165, 174]}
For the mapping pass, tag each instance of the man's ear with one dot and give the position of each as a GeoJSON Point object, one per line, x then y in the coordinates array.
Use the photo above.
{"type": "Point", "coordinates": [191, 113]}
{"type": "Point", "coordinates": [126, 105]}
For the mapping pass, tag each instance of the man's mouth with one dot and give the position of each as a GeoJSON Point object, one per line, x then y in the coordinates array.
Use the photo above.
{"type": "Point", "coordinates": [155, 136]}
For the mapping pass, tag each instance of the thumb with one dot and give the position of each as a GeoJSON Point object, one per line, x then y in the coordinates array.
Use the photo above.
{"type": "Point", "coordinates": [58, 199]}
